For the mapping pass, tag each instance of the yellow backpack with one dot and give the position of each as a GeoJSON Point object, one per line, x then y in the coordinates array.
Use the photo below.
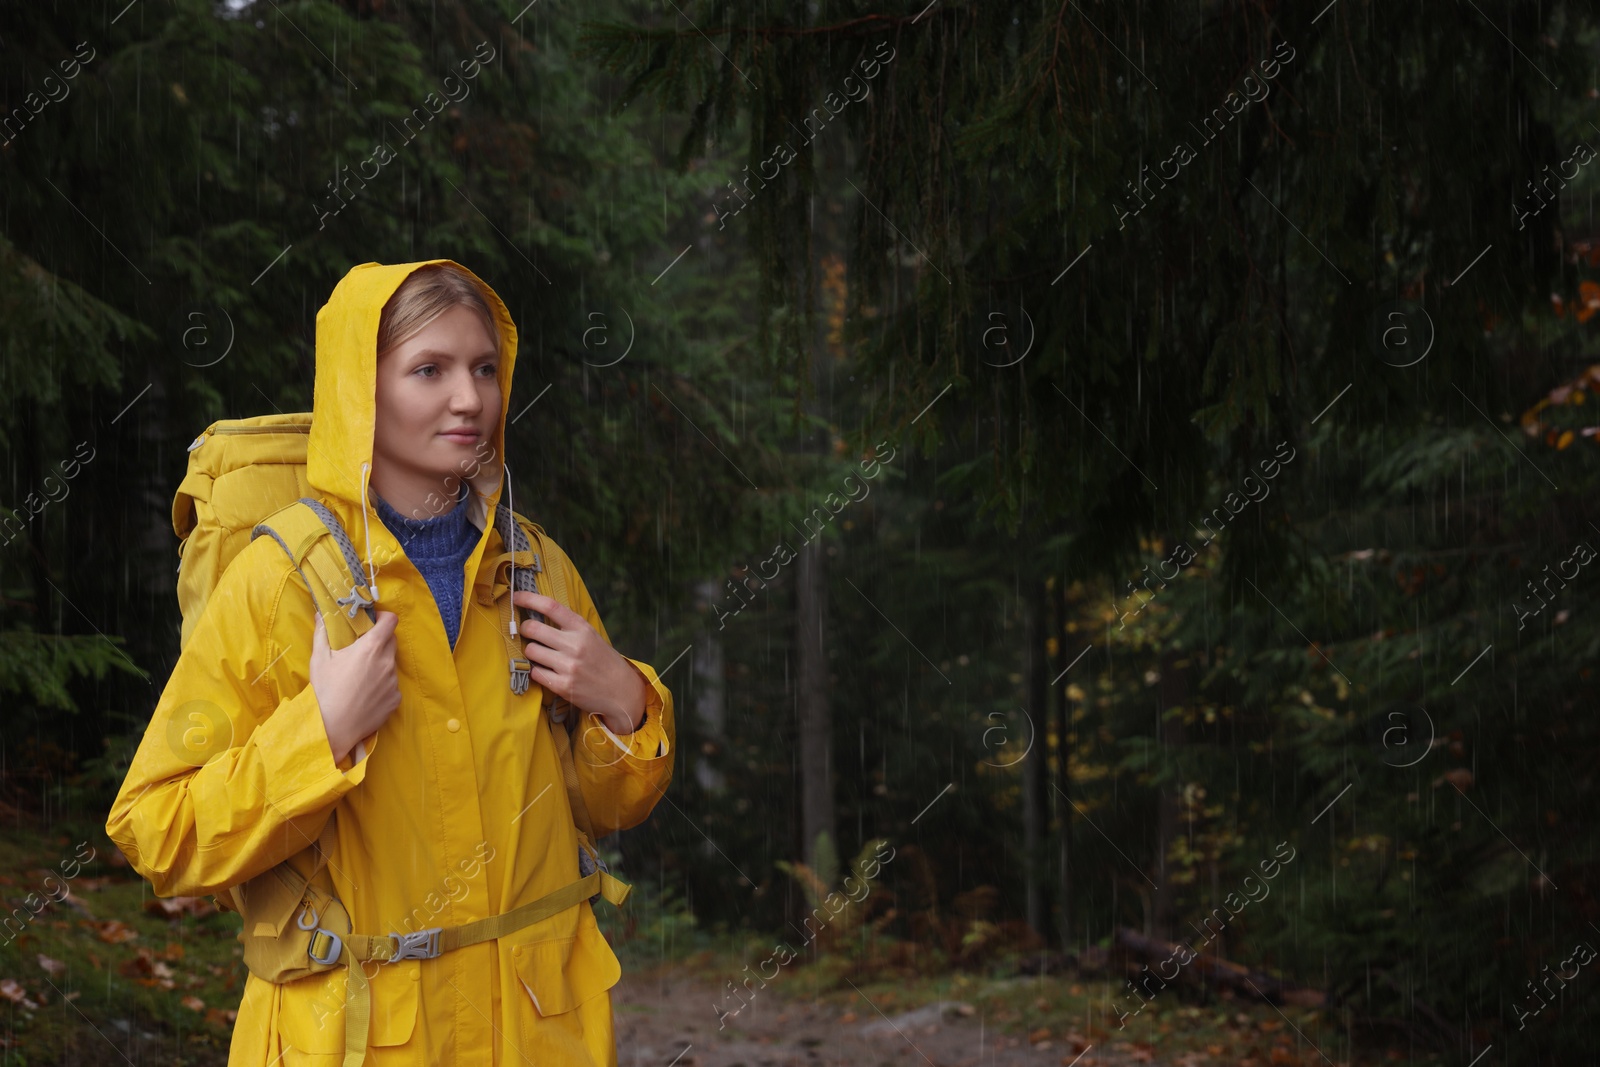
{"type": "Point", "coordinates": [246, 479]}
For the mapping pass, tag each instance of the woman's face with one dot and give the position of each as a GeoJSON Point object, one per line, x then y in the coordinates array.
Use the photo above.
{"type": "Point", "coordinates": [438, 405]}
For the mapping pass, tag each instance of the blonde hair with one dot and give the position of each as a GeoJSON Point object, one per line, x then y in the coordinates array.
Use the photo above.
{"type": "Point", "coordinates": [428, 293]}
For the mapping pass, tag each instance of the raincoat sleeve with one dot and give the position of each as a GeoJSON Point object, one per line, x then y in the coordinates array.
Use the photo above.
{"type": "Point", "coordinates": [622, 775]}
{"type": "Point", "coordinates": [232, 777]}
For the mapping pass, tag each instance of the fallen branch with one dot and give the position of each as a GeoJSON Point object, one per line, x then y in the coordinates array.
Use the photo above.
{"type": "Point", "coordinates": [1154, 951]}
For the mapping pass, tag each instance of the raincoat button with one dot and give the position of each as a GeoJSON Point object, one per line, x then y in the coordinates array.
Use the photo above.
{"type": "Point", "coordinates": [453, 725]}
{"type": "Point", "coordinates": [416, 974]}
{"type": "Point", "coordinates": [485, 597]}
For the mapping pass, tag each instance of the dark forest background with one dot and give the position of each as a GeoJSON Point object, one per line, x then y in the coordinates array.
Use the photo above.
{"type": "Point", "coordinates": [1234, 360]}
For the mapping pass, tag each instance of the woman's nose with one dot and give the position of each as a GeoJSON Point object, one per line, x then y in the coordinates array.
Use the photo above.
{"type": "Point", "coordinates": [464, 398]}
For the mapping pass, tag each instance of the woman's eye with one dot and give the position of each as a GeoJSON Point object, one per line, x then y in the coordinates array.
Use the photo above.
{"type": "Point", "coordinates": [431, 370]}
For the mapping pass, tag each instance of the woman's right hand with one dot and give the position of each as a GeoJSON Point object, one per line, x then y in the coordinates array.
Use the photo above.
{"type": "Point", "coordinates": [357, 688]}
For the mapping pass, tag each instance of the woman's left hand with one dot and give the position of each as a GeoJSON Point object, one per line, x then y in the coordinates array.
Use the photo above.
{"type": "Point", "coordinates": [575, 663]}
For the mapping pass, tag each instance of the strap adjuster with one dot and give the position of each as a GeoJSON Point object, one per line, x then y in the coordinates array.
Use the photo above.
{"type": "Point", "coordinates": [422, 945]}
{"type": "Point", "coordinates": [356, 600]}
{"type": "Point", "coordinates": [337, 946]}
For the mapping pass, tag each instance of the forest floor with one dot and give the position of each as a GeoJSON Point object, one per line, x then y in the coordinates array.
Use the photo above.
{"type": "Point", "coordinates": [667, 1016]}
{"type": "Point", "coordinates": [109, 972]}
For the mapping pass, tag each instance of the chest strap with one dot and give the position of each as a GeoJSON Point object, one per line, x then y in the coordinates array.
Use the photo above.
{"type": "Point", "coordinates": [327, 946]}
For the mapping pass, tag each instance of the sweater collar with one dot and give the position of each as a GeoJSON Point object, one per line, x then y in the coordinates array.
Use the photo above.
{"type": "Point", "coordinates": [432, 537]}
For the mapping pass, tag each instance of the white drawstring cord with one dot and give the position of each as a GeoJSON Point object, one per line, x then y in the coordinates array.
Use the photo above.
{"type": "Point", "coordinates": [512, 547]}
{"type": "Point", "coordinates": [366, 530]}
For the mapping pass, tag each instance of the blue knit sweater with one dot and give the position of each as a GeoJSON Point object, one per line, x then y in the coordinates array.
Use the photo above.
{"type": "Point", "coordinates": [438, 546]}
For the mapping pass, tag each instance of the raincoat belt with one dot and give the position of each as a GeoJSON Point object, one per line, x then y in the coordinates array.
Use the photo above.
{"type": "Point", "coordinates": [326, 946]}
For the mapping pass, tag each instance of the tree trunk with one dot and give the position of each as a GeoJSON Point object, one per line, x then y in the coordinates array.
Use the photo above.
{"type": "Point", "coordinates": [1159, 923]}
{"type": "Point", "coordinates": [1173, 693]}
{"type": "Point", "coordinates": [35, 542]}
{"type": "Point", "coordinates": [1035, 773]}
{"type": "Point", "coordinates": [815, 720]}
{"type": "Point", "coordinates": [710, 696]}
{"type": "Point", "coordinates": [1062, 711]}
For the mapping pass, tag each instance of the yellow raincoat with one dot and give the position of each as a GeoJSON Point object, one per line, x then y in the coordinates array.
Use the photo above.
{"type": "Point", "coordinates": [455, 809]}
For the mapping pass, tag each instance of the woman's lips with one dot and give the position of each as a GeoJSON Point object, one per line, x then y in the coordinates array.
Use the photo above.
{"type": "Point", "coordinates": [460, 438]}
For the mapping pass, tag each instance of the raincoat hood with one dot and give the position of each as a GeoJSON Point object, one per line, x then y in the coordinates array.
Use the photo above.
{"type": "Point", "coordinates": [344, 402]}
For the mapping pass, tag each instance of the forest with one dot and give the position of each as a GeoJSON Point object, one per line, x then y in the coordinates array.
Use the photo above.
{"type": "Point", "coordinates": [1085, 455]}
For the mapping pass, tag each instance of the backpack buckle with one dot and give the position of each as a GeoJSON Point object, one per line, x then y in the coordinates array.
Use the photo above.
{"type": "Point", "coordinates": [337, 946]}
{"type": "Point", "coordinates": [588, 863]}
{"type": "Point", "coordinates": [422, 945]}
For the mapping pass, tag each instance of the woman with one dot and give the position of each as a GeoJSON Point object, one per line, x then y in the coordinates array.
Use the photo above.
{"type": "Point", "coordinates": [448, 791]}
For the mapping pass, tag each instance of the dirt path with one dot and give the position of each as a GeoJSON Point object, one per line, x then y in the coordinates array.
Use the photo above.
{"type": "Point", "coordinates": [667, 1018]}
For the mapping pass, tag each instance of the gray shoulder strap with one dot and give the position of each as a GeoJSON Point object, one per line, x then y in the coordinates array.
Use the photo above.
{"type": "Point", "coordinates": [359, 593]}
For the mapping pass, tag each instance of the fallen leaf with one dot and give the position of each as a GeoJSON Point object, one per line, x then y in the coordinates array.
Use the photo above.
{"type": "Point", "coordinates": [113, 931]}
{"type": "Point", "coordinates": [53, 967]}
{"type": "Point", "coordinates": [848, 1017]}
{"type": "Point", "coordinates": [220, 1016]}
{"type": "Point", "coordinates": [147, 970]}
{"type": "Point", "coordinates": [177, 907]}
{"type": "Point", "coordinates": [12, 990]}
{"type": "Point", "coordinates": [193, 1003]}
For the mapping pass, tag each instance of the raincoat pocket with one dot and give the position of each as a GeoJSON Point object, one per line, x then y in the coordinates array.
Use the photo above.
{"type": "Point", "coordinates": [561, 973]}
{"type": "Point", "coordinates": [311, 1014]}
